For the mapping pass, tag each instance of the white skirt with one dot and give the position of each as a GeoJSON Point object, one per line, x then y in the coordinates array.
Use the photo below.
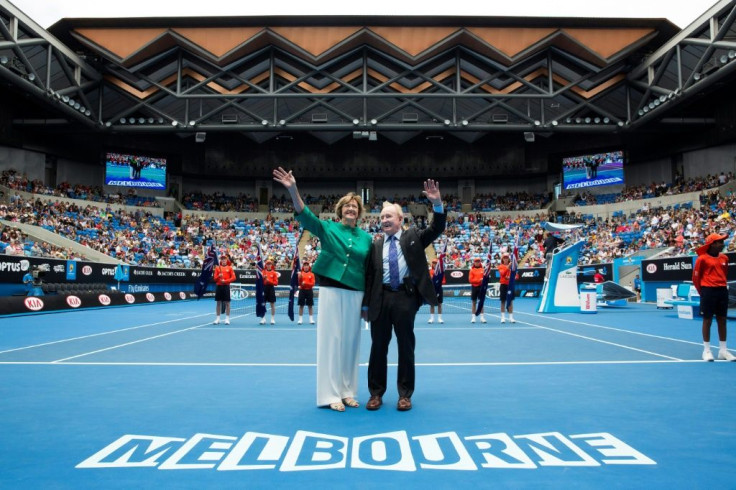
{"type": "Point", "coordinates": [338, 344]}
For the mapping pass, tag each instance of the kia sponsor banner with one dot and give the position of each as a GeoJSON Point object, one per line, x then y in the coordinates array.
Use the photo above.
{"type": "Point", "coordinates": [525, 275]}
{"type": "Point", "coordinates": [11, 305]}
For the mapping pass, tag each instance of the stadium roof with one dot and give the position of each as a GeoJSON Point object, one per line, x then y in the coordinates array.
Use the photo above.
{"type": "Point", "coordinates": [336, 77]}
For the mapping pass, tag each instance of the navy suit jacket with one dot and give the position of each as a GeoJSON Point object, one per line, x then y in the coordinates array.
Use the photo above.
{"type": "Point", "coordinates": [412, 242]}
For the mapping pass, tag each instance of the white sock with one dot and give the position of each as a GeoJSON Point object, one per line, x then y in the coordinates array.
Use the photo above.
{"type": "Point", "coordinates": [439, 317]}
{"type": "Point", "coordinates": [722, 345]}
{"type": "Point", "coordinates": [227, 318]}
{"type": "Point", "coordinates": [503, 315]}
{"type": "Point", "coordinates": [217, 317]}
{"type": "Point", "coordinates": [706, 345]}
{"type": "Point", "coordinates": [511, 316]}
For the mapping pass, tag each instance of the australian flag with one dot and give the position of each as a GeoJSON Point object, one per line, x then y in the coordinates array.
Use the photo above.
{"type": "Point", "coordinates": [513, 267]}
{"type": "Point", "coordinates": [439, 271]}
{"type": "Point", "coordinates": [484, 285]}
{"type": "Point", "coordinates": [295, 268]}
{"type": "Point", "coordinates": [210, 261]}
{"type": "Point", "coordinates": [260, 298]}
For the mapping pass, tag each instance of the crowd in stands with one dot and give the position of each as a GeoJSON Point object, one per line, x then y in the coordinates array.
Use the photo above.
{"type": "Point", "coordinates": [12, 179]}
{"type": "Point", "coordinates": [679, 186]}
{"type": "Point", "coordinates": [140, 238]}
{"type": "Point", "coordinates": [512, 201]}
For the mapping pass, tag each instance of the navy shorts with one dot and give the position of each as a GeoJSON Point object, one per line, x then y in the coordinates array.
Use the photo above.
{"type": "Point", "coordinates": [306, 297]}
{"type": "Point", "coordinates": [269, 293]}
{"type": "Point", "coordinates": [713, 301]}
{"type": "Point", "coordinates": [222, 293]}
{"type": "Point", "coordinates": [504, 291]}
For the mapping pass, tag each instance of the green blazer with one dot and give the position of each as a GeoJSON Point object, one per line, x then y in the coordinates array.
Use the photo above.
{"type": "Point", "coordinates": [344, 253]}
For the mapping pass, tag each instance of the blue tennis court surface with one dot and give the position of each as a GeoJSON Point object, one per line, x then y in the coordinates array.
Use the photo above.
{"type": "Point", "coordinates": [157, 396]}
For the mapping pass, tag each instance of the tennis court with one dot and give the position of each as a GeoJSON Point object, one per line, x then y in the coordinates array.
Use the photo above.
{"type": "Point", "coordinates": [156, 395]}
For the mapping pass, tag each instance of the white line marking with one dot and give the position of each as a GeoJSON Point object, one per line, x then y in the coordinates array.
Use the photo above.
{"type": "Point", "coordinates": [311, 365]}
{"type": "Point", "coordinates": [97, 334]}
{"type": "Point", "coordinates": [603, 341]}
{"type": "Point", "coordinates": [127, 343]}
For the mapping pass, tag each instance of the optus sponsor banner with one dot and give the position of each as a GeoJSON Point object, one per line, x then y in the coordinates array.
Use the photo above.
{"type": "Point", "coordinates": [10, 305]}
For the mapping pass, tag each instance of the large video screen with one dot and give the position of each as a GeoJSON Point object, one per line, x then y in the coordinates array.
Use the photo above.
{"type": "Point", "coordinates": [126, 170]}
{"type": "Point", "coordinates": [593, 170]}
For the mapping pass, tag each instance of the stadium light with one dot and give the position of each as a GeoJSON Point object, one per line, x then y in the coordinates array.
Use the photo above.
{"type": "Point", "coordinates": [3, 60]}
{"type": "Point", "coordinates": [192, 123]}
{"type": "Point", "coordinates": [356, 121]}
{"type": "Point", "coordinates": [175, 123]}
{"type": "Point", "coordinates": [374, 121]}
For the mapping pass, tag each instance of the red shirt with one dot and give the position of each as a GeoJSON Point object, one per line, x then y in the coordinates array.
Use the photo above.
{"type": "Point", "coordinates": [476, 276]}
{"type": "Point", "coordinates": [306, 280]}
{"type": "Point", "coordinates": [504, 272]}
{"type": "Point", "coordinates": [710, 271]}
{"type": "Point", "coordinates": [224, 275]}
{"type": "Point", "coordinates": [270, 278]}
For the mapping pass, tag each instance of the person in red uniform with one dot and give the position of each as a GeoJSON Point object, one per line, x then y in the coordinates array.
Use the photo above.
{"type": "Point", "coordinates": [709, 278]}
{"type": "Point", "coordinates": [306, 293]}
{"type": "Point", "coordinates": [223, 275]}
{"type": "Point", "coordinates": [504, 273]}
{"type": "Point", "coordinates": [476, 279]}
{"type": "Point", "coordinates": [270, 280]}
{"type": "Point", "coordinates": [598, 277]}
{"type": "Point", "coordinates": [440, 296]}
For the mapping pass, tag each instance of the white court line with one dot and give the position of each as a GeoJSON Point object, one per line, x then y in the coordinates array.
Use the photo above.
{"type": "Point", "coordinates": [616, 329]}
{"type": "Point", "coordinates": [97, 334]}
{"type": "Point", "coordinates": [603, 341]}
{"type": "Point", "coordinates": [311, 365]}
{"type": "Point", "coordinates": [128, 343]}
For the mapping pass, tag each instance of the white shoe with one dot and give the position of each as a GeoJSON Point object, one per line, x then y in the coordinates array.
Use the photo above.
{"type": "Point", "coordinates": [503, 320]}
{"type": "Point", "coordinates": [431, 320]}
{"type": "Point", "coordinates": [472, 319]}
{"type": "Point", "coordinates": [227, 321]}
{"type": "Point", "coordinates": [482, 319]}
{"type": "Point", "coordinates": [217, 321]}
{"type": "Point", "coordinates": [263, 321]}
{"type": "Point", "coordinates": [273, 322]}
{"type": "Point", "coordinates": [724, 355]}
{"type": "Point", "coordinates": [311, 321]}
{"type": "Point", "coordinates": [299, 322]}
{"type": "Point", "coordinates": [707, 355]}
{"type": "Point", "coordinates": [440, 321]}
{"type": "Point", "coordinates": [511, 319]}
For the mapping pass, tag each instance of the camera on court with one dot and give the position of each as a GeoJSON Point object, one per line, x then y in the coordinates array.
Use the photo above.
{"type": "Point", "coordinates": [38, 272]}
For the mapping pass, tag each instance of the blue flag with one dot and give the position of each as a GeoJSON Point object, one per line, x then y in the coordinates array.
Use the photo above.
{"type": "Point", "coordinates": [260, 297]}
{"type": "Point", "coordinates": [513, 267]}
{"type": "Point", "coordinates": [295, 268]}
{"type": "Point", "coordinates": [484, 285]}
{"type": "Point", "coordinates": [210, 261]}
{"type": "Point", "coordinates": [439, 271]}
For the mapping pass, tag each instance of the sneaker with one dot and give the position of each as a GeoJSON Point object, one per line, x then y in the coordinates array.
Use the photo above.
{"type": "Point", "coordinates": [707, 355]}
{"type": "Point", "coordinates": [227, 321]}
{"type": "Point", "coordinates": [431, 320]}
{"type": "Point", "coordinates": [724, 355]}
{"type": "Point", "coordinates": [311, 321]}
{"type": "Point", "coordinates": [299, 322]}
{"type": "Point", "coordinates": [217, 321]}
{"type": "Point", "coordinates": [511, 319]}
{"type": "Point", "coordinates": [440, 321]}
{"type": "Point", "coordinates": [263, 321]}
{"type": "Point", "coordinates": [472, 319]}
{"type": "Point", "coordinates": [482, 319]}
{"type": "Point", "coordinates": [273, 322]}
{"type": "Point", "coordinates": [503, 320]}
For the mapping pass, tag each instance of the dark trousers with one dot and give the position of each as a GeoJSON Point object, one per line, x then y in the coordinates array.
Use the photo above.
{"type": "Point", "coordinates": [398, 311]}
